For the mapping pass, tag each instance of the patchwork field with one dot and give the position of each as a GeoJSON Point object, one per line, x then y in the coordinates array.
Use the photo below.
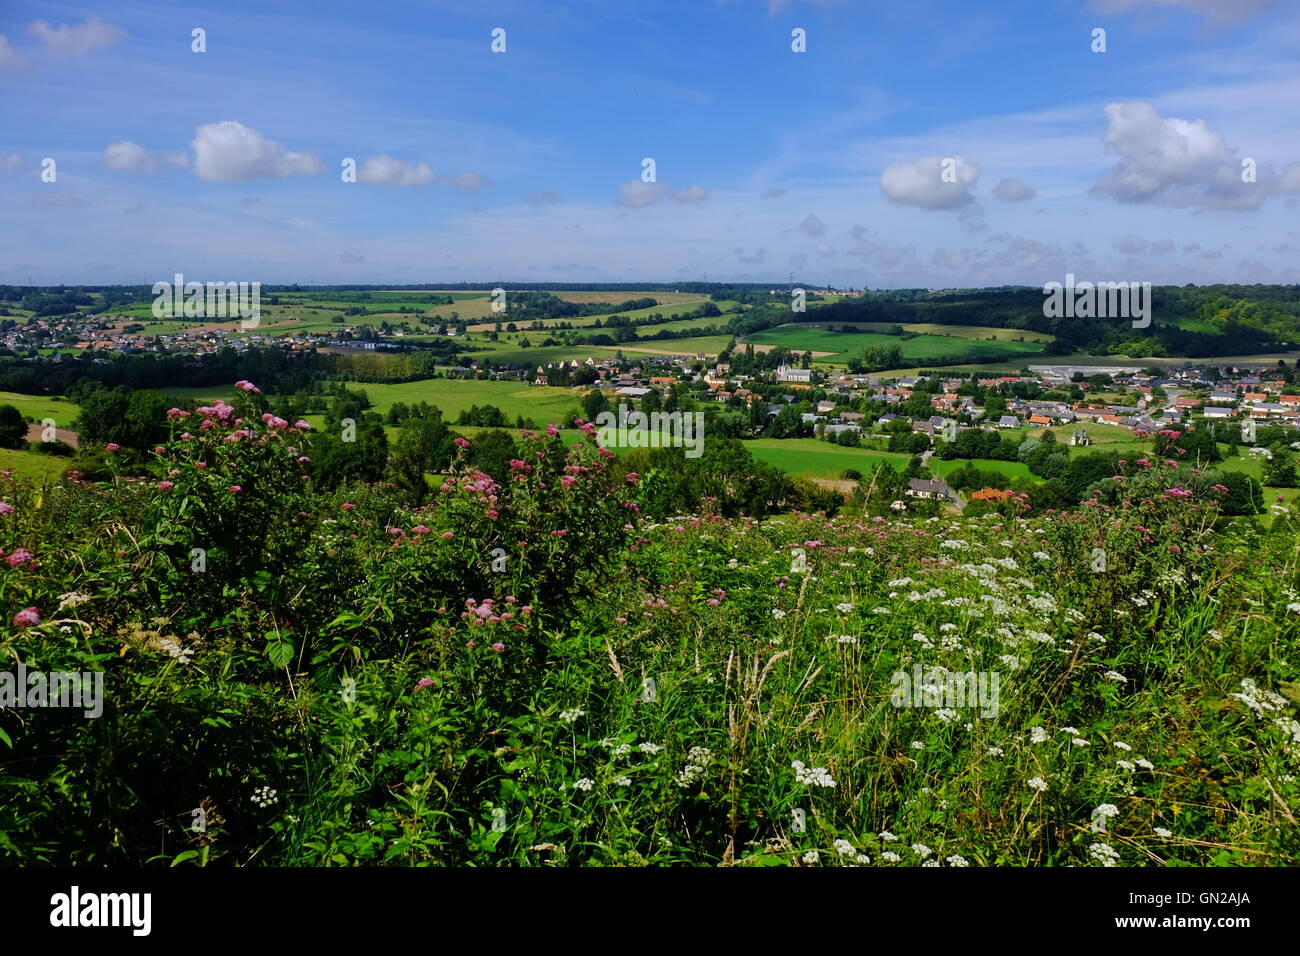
{"type": "Point", "coordinates": [840, 346]}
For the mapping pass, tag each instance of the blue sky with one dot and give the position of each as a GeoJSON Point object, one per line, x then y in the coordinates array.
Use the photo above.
{"type": "Point", "coordinates": [526, 165]}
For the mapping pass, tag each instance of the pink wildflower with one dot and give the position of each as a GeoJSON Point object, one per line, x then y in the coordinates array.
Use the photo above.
{"type": "Point", "coordinates": [28, 617]}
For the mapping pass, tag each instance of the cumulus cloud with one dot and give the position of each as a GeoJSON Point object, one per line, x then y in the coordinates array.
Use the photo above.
{"type": "Point", "coordinates": [1180, 163]}
{"type": "Point", "coordinates": [812, 226]}
{"type": "Point", "coordinates": [1157, 153]}
{"type": "Point", "coordinates": [230, 151]}
{"type": "Point", "coordinates": [922, 182]}
{"type": "Point", "coordinates": [691, 194]}
{"type": "Point", "coordinates": [636, 194]}
{"type": "Point", "coordinates": [756, 258]}
{"type": "Point", "coordinates": [132, 157]}
{"type": "Point", "coordinates": [1161, 246]}
{"type": "Point", "coordinates": [12, 163]}
{"type": "Point", "coordinates": [772, 192]}
{"type": "Point", "coordinates": [347, 256]}
{"type": "Point", "coordinates": [1013, 190]}
{"type": "Point", "coordinates": [92, 35]}
{"type": "Point", "coordinates": [384, 170]}
{"type": "Point", "coordinates": [825, 250]}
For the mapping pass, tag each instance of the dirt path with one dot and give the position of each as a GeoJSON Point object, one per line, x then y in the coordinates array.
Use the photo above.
{"type": "Point", "coordinates": [64, 435]}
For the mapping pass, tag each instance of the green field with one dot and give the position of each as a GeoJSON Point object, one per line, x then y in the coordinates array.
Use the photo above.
{"type": "Point", "coordinates": [1012, 469]}
{"type": "Point", "coordinates": [840, 346]}
{"type": "Point", "coordinates": [583, 321]}
{"type": "Point", "coordinates": [41, 407]}
{"type": "Point", "coordinates": [454, 396]}
{"type": "Point", "coordinates": [930, 328]}
{"type": "Point", "coordinates": [819, 459]}
{"type": "Point", "coordinates": [29, 464]}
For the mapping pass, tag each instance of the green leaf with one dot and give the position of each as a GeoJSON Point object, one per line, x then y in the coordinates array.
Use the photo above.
{"type": "Point", "coordinates": [280, 652]}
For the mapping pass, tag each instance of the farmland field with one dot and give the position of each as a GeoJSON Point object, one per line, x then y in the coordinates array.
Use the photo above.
{"type": "Point", "coordinates": [820, 459]}
{"type": "Point", "coordinates": [839, 346]}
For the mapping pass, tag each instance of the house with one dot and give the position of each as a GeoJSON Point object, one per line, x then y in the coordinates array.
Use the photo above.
{"type": "Point", "coordinates": [825, 407]}
{"type": "Point", "coordinates": [1039, 420]}
{"type": "Point", "coordinates": [996, 495]}
{"type": "Point", "coordinates": [786, 374]}
{"type": "Point", "coordinates": [1216, 411]}
{"type": "Point", "coordinates": [1080, 437]}
{"type": "Point", "coordinates": [927, 488]}
{"type": "Point", "coordinates": [1008, 421]}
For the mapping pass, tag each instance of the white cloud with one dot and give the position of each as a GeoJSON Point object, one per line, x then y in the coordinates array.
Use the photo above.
{"type": "Point", "coordinates": [1161, 246]}
{"type": "Point", "coordinates": [695, 194]}
{"type": "Point", "coordinates": [1013, 190]}
{"type": "Point", "coordinates": [1180, 163]}
{"type": "Point", "coordinates": [921, 182]}
{"type": "Point", "coordinates": [383, 170]}
{"type": "Point", "coordinates": [812, 226]}
{"type": "Point", "coordinates": [230, 151]}
{"type": "Point", "coordinates": [772, 192]}
{"type": "Point", "coordinates": [1157, 153]}
{"type": "Point", "coordinates": [825, 250]}
{"type": "Point", "coordinates": [637, 194]}
{"type": "Point", "coordinates": [542, 197]}
{"type": "Point", "coordinates": [132, 157]}
{"type": "Point", "coordinates": [12, 163]}
{"type": "Point", "coordinates": [92, 35]}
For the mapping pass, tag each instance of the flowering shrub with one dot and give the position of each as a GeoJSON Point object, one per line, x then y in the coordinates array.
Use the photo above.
{"type": "Point", "coordinates": [227, 480]}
